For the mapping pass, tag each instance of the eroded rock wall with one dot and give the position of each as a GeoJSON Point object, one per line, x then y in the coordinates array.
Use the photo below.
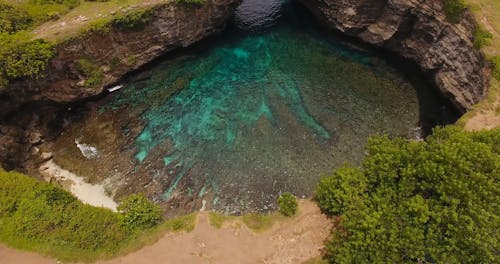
{"type": "Point", "coordinates": [113, 54]}
{"type": "Point", "coordinates": [417, 30]}
{"type": "Point", "coordinates": [122, 50]}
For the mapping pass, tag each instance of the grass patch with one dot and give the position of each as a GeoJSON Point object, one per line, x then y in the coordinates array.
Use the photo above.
{"type": "Point", "coordinates": [93, 73]}
{"type": "Point", "coordinates": [260, 222]}
{"type": "Point", "coordinates": [182, 223]}
{"type": "Point", "coordinates": [217, 220]}
{"type": "Point", "coordinates": [41, 11]}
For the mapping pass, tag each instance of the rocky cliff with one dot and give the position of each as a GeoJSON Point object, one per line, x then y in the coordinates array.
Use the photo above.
{"type": "Point", "coordinates": [85, 66]}
{"type": "Point", "coordinates": [120, 50]}
{"type": "Point", "coordinates": [417, 30]}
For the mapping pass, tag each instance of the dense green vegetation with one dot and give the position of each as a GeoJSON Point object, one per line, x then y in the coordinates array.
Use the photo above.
{"type": "Point", "coordinates": [13, 19]}
{"type": "Point", "coordinates": [41, 217]}
{"type": "Point", "coordinates": [418, 202]}
{"type": "Point", "coordinates": [139, 213]}
{"type": "Point", "coordinates": [454, 10]}
{"type": "Point", "coordinates": [287, 204]}
{"type": "Point", "coordinates": [21, 57]}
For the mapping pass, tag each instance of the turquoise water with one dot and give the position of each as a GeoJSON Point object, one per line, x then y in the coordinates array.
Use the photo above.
{"type": "Point", "coordinates": [242, 118]}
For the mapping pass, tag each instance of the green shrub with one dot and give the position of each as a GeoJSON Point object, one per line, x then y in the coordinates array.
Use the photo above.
{"type": "Point", "coordinates": [21, 57]}
{"type": "Point", "coordinates": [13, 19]}
{"type": "Point", "coordinates": [454, 10]}
{"type": "Point", "coordinates": [97, 26]}
{"type": "Point", "coordinates": [418, 202]}
{"type": "Point", "coordinates": [287, 204]}
{"type": "Point", "coordinates": [92, 72]}
{"type": "Point", "coordinates": [482, 38]}
{"type": "Point", "coordinates": [140, 213]}
{"type": "Point", "coordinates": [334, 193]}
{"type": "Point", "coordinates": [134, 21]}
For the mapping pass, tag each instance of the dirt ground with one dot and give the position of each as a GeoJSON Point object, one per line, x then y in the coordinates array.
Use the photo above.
{"type": "Point", "coordinates": [291, 241]}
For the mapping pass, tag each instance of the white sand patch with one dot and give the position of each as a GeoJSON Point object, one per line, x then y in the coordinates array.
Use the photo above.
{"type": "Point", "coordinates": [86, 192]}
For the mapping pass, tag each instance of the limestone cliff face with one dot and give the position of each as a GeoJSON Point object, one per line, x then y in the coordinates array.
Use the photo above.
{"type": "Point", "coordinates": [120, 51]}
{"type": "Point", "coordinates": [417, 30]}
{"type": "Point", "coordinates": [112, 54]}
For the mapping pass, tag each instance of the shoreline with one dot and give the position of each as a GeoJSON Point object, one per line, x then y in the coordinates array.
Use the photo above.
{"type": "Point", "coordinates": [92, 194]}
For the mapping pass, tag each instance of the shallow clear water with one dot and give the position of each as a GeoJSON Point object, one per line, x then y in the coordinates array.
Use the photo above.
{"type": "Point", "coordinates": [240, 119]}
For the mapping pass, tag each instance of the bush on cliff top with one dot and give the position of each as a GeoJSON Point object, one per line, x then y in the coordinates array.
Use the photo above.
{"type": "Point", "coordinates": [22, 57]}
{"type": "Point", "coordinates": [13, 19]}
{"type": "Point", "coordinates": [418, 202]}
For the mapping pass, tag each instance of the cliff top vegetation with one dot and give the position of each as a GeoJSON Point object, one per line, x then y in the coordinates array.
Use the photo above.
{"type": "Point", "coordinates": [418, 202]}
{"type": "Point", "coordinates": [78, 19]}
{"type": "Point", "coordinates": [30, 29]}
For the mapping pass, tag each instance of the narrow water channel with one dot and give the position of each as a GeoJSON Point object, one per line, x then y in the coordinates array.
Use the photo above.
{"type": "Point", "coordinates": [267, 107]}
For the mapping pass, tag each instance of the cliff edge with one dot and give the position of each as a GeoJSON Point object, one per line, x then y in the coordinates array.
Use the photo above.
{"type": "Point", "coordinates": [417, 30]}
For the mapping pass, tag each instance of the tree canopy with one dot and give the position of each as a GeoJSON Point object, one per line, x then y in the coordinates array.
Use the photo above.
{"type": "Point", "coordinates": [418, 202]}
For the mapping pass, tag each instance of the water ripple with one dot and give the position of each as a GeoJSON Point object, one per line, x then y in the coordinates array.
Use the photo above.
{"type": "Point", "coordinates": [256, 15]}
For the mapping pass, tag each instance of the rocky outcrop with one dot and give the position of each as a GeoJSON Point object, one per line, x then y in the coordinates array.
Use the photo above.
{"type": "Point", "coordinates": [417, 30]}
{"type": "Point", "coordinates": [110, 55]}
